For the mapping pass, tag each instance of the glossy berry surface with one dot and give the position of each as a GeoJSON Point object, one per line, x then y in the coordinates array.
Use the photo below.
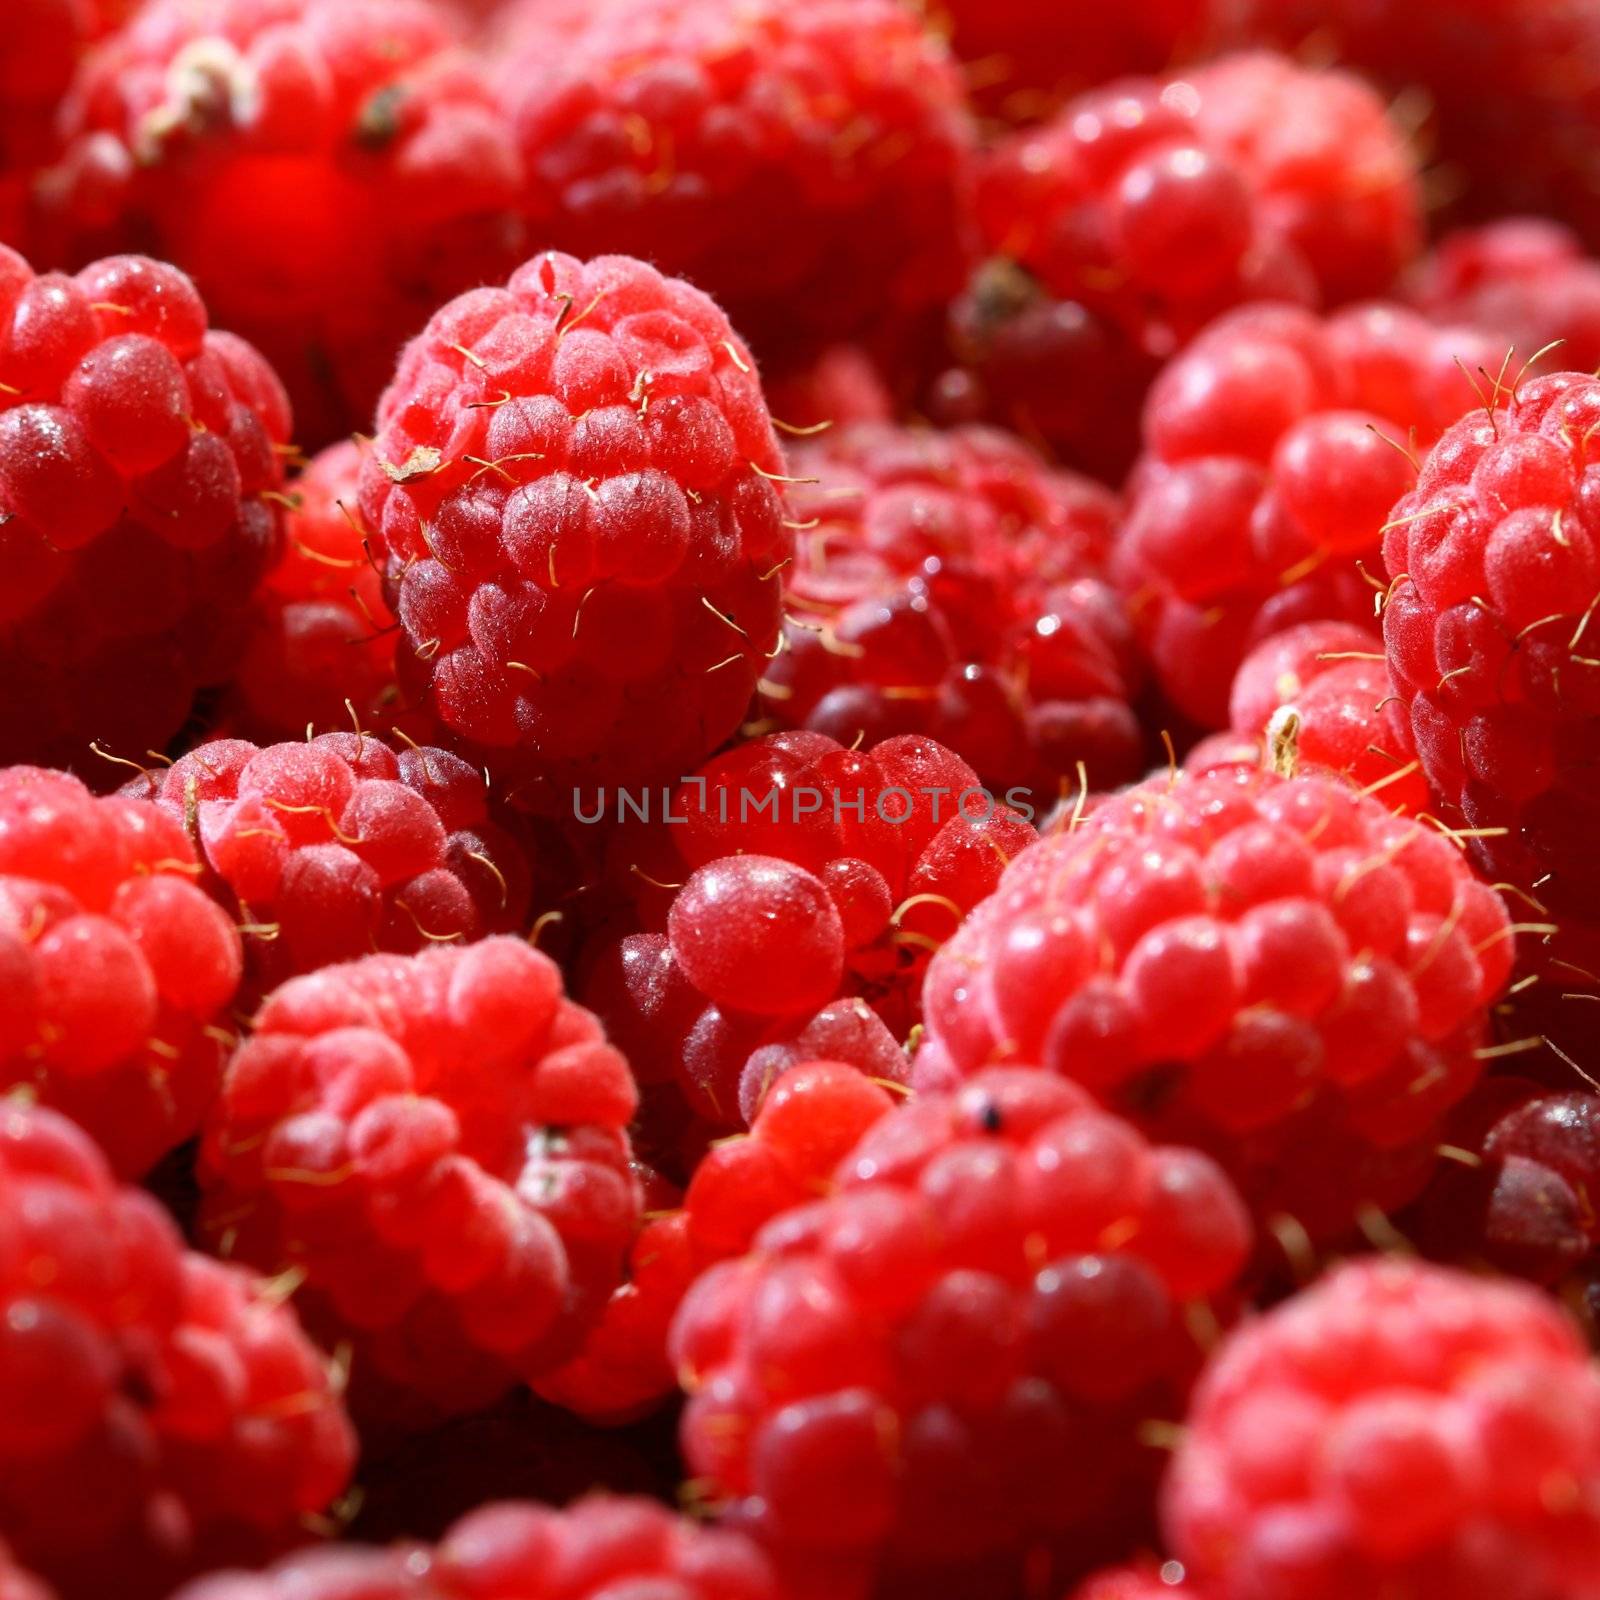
{"type": "Point", "coordinates": [1279, 970]}
{"type": "Point", "coordinates": [162, 1410]}
{"type": "Point", "coordinates": [1493, 566]}
{"type": "Point", "coordinates": [1396, 1429]}
{"type": "Point", "coordinates": [694, 133]}
{"type": "Point", "coordinates": [1275, 448]}
{"type": "Point", "coordinates": [808, 884]}
{"type": "Point", "coordinates": [141, 477]}
{"type": "Point", "coordinates": [330, 169]}
{"type": "Point", "coordinates": [941, 1363]}
{"type": "Point", "coordinates": [951, 584]}
{"type": "Point", "coordinates": [572, 496]}
{"type": "Point", "coordinates": [117, 971]}
{"type": "Point", "coordinates": [438, 1143]}
{"type": "Point", "coordinates": [599, 1549]}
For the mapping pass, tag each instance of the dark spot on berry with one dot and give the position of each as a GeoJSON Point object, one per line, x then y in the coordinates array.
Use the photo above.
{"type": "Point", "coordinates": [1152, 1091]}
{"type": "Point", "coordinates": [379, 120]}
{"type": "Point", "coordinates": [989, 1118]}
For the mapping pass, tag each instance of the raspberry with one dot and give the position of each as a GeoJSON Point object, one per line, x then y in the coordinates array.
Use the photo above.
{"type": "Point", "coordinates": [1493, 568]}
{"type": "Point", "coordinates": [161, 1410]}
{"type": "Point", "coordinates": [1525, 280]}
{"type": "Point", "coordinates": [600, 1549]}
{"type": "Point", "coordinates": [697, 132]}
{"type": "Point", "coordinates": [1396, 1429]}
{"type": "Point", "coordinates": [438, 1144]}
{"type": "Point", "coordinates": [842, 386]}
{"type": "Point", "coordinates": [140, 479]}
{"type": "Point", "coordinates": [321, 639]}
{"type": "Point", "coordinates": [807, 1124]}
{"type": "Point", "coordinates": [335, 848]}
{"type": "Point", "coordinates": [950, 584]}
{"type": "Point", "coordinates": [572, 496]}
{"type": "Point", "coordinates": [1320, 692]}
{"type": "Point", "coordinates": [1278, 970]}
{"type": "Point", "coordinates": [935, 1373]}
{"type": "Point", "coordinates": [331, 169]}
{"type": "Point", "coordinates": [1275, 447]}
{"type": "Point", "coordinates": [805, 874]}
{"type": "Point", "coordinates": [1160, 203]}
{"type": "Point", "coordinates": [1516, 1193]}
{"type": "Point", "coordinates": [116, 970]}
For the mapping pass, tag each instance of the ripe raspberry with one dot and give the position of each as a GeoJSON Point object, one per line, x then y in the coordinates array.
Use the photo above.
{"type": "Point", "coordinates": [161, 1410]}
{"type": "Point", "coordinates": [805, 874]}
{"type": "Point", "coordinates": [1400, 1430]}
{"type": "Point", "coordinates": [1525, 280]}
{"type": "Point", "coordinates": [1318, 694]}
{"type": "Point", "coordinates": [696, 133]}
{"type": "Point", "coordinates": [599, 1549]}
{"type": "Point", "coordinates": [807, 1124]}
{"type": "Point", "coordinates": [1160, 203]}
{"type": "Point", "coordinates": [572, 496]}
{"type": "Point", "coordinates": [1278, 970]}
{"type": "Point", "coordinates": [950, 584]}
{"type": "Point", "coordinates": [140, 479]}
{"type": "Point", "coordinates": [438, 1143]}
{"type": "Point", "coordinates": [939, 1368]}
{"type": "Point", "coordinates": [331, 169]}
{"type": "Point", "coordinates": [1275, 447]}
{"type": "Point", "coordinates": [332, 849]}
{"type": "Point", "coordinates": [322, 637]}
{"type": "Point", "coordinates": [841, 387]}
{"type": "Point", "coordinates": [116, 970]}
{"type": "Point", "coordinates": [1494, 571]}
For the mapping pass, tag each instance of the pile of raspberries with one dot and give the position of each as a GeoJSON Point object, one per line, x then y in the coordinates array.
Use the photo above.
{"type": "Point", "coordinates": [797, 800]}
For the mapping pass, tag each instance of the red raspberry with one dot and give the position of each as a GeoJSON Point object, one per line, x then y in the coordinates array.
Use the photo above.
{"type": "Point", "coordinates": [116, 969]}
{"type": "Point", "coordinates": [842, 386]}
{"type": "Point", "coordinates": [1161, 203]}
{"type": "Point", "coordinates": [935, 1373]}
{"type": "Point", "coordinates": [572, 494]}
{"type": "Point", "coordinates": [160, 1410]}
{"type": "Point", "coordinates": [950, 584]}
{"type": "Point", "coordinates": [335, 848]}
{"type": "Point", "coordinates": [1524, 280]}
{"type": "Point", "coordinates": [1400, 1430]}
{"type": "Point", "coordinates": [1275, 447]}
{"type": "Point", "coordinates": [140, 502]}
{"type": "Point", "coordinates": [1276, 969]}
{"type": "Point", "coordinates": [330, 169]}
{"type": "Point", "coordinates": [599, 1549]}
{"type": "Point", "coordinates": [438, 1143]}
{"type": "Point", "coordinates": [781, 901]}
{"type": "Point", "coordinates": [807, 1124]}
{"type": "Point", "coordinates": [697, 132]}
{"type": "Point", "coordinates": [1316, 697]}
{"type": "Point", "coordinates": [1494, 569]}
{"type": "Point", "coordinates": [321, 642]}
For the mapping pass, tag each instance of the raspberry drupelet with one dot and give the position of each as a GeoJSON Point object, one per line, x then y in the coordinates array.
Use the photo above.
{"type": "Point", "coordinates": [321, 642]}
{"type": "Point", "coordinates": [141, 477]}
{"type": "Point", "coordinates": [598, 1549]}
{"type": "Point", "coordinates": [1275, 447]}
{"type": "Point", "coordinates": [952, 584]}
{"type": "Point", "coordinates": [117, 971]}
{"type": "Point", "coordinates": [1276, 969]}
{"type": "Point", "coordinates": [1316, 698]}
{"type": "Point", "coordinates": [1396, 1429]}
{"type": "Point", "coordinates": [1160, 203]}
{"type": "Point", "coordinates": [808, 884]}
{"type": "Point", "coordinates": [331, 170]}
{"type": "Point", "coordinates": [162, 1411]}
{"type": "Point", "coordinates": [574, 496]}
{"type": "Point", "coordinates": [1494, 573]}
{"type": "Point", "coordinates": [808, 1122]}
{"type": "Point", "coordinates": [938, 1371]}
{"type": "Point", "coordinates": [809, 167]}
{"type": "Point", "coordinates": [438, 1144]}
{"type": "Point", "coordinates": [334, 848]}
